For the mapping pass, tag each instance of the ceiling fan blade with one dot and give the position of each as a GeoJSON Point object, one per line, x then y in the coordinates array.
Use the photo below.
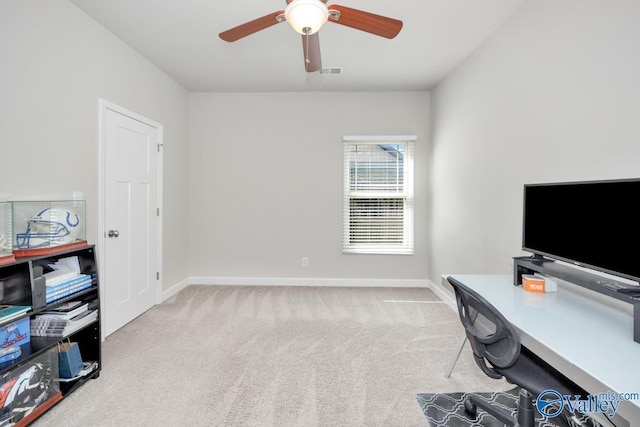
{"type": "Point", "coordinates": [311, 50]}
{"type": "Point", "coordinates": [364, 21]}
{"type": "Point", "coordinates": [250, 27]}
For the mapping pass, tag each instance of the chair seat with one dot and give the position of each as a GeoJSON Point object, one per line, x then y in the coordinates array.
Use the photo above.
{"type": "Point", "coordinates": [539, 376]}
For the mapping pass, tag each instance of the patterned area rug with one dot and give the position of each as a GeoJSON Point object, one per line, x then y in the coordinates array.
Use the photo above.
{"type": "Point", "coordinates": [447, 410]}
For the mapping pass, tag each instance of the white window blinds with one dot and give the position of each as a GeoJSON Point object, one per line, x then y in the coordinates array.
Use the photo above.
{"type": "Point", "coordinates": [378, 194]}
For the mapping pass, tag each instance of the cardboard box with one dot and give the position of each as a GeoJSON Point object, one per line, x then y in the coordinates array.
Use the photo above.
{"type": "Point", "coordinates": [550, 285]}
{"type": "Point", "coordinates": [538, 283]}
{"type": "Point", "coordinates": [532, 283]}
{"type": "Point", "coordinates": [15, 333]}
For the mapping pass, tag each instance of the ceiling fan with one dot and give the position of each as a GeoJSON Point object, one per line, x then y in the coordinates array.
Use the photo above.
{"type": "Point", "coordinates": [308, 16]}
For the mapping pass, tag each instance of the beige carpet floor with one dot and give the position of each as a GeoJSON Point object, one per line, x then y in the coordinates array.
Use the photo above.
{"type": "Point", "coordinates": [276, 356]}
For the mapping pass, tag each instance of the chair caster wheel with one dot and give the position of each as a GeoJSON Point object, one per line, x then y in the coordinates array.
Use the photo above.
{"type": "Point", "coordinates": [470, 408]}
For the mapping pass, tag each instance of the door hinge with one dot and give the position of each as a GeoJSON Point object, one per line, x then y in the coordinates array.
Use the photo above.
{"type": "Point", "coordinates": [157, 275]}
{"type": "Point", "coordinates": [158, 212]}
{"type": "Point", "coordinates": [159, 145]}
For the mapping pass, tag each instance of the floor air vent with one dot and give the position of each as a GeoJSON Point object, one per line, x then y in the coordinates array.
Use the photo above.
{"type": "Point", "coordinates": [331, 71]}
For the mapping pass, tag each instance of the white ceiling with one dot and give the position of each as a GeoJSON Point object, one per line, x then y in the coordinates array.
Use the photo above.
{"type": "Point", "coordinates": [181, 38]}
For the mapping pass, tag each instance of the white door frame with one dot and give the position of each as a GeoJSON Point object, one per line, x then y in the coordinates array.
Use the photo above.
{"type": "Point", "coordinates": [103, 106]}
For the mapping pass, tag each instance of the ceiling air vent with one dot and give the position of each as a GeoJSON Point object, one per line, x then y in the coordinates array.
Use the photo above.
{"type": "Point", "coordinates": [330, 71]}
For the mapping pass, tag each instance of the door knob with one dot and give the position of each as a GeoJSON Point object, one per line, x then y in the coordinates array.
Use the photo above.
{"type": "Point", "coordinates": [113, 233]}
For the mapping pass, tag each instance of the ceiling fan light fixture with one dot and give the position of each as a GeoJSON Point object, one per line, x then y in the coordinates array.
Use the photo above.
{"type": "Point", "coordinates": [306, 16]}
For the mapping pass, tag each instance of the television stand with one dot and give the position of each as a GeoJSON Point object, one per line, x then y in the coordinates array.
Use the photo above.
{"type": "Point", "coordinates": [602, 285]}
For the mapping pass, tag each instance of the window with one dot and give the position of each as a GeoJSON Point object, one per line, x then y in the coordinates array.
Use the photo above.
{"type": "Point", "coordinates": [378, 194]}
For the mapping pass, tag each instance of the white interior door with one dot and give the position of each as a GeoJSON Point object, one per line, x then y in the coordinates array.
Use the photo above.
{"type": "Point", "coordinates": [130, 271]}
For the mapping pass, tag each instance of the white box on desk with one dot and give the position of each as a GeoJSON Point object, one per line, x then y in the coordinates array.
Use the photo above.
{"type": "Point", "coordinates": [550, 285]}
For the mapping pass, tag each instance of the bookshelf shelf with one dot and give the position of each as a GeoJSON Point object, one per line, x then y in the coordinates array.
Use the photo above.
{"type": "Point", "coordinates": [23, 282]}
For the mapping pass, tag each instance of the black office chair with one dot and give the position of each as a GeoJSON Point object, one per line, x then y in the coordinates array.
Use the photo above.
{"type": "Point", "coordinates": [498, 352]}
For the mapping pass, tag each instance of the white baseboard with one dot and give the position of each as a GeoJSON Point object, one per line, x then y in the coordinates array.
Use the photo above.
{"type": "Point", "coordinates": [445, 295]}
{"type": "Point", "coordinates": [307, 281]}
{"type": "Point", "coordinates": [174, 290]}
{"type": "Point", "coordinates": [437, 288]}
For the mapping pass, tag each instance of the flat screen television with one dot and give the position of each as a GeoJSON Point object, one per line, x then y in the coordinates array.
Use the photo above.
{"type": "Point", "coordinates": [593, 224]}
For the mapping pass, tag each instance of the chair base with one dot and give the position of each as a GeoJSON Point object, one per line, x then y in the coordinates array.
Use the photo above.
{"type": "Point", "coordinates": [525, 414]}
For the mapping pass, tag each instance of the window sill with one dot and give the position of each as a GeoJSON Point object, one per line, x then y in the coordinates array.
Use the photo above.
{"type": "Point", "coordinates": [378, 251]}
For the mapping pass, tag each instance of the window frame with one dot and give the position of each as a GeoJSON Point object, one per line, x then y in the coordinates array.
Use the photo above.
{"type": "Point", "coordinates": [407, 194]}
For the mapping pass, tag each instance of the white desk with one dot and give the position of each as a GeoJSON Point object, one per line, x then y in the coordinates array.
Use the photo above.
{"type": "Point", "coordinates": [588, 341]}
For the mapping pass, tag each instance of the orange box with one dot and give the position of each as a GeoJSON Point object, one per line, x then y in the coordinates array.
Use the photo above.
{"type": "Point", "coordinates": [532, 283]}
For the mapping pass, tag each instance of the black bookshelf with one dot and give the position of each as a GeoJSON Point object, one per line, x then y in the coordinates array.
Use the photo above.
{"type": "Point", "coordinates": [23, 283]}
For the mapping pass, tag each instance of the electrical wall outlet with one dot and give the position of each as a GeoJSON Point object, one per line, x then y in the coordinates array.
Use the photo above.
{"type": "Point", "coordinates": [305, 261]}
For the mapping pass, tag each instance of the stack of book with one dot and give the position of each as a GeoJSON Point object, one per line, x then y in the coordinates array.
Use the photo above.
{"type": "Point", "coordinates": [62, 283]}
{"type": "Point", "coordinates": [9, 312]}
{"type": "Point", "coordinates": [64, 320]}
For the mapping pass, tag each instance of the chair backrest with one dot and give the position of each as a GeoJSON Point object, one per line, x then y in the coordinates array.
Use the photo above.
{"type": "Point", "coordinates": [491, 336]}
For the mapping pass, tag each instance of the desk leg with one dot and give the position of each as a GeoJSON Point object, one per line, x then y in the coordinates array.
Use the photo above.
{"type": "Point", "coordinates": [636, 322]}
{"type": "Point", "coordinates": [447, 373]}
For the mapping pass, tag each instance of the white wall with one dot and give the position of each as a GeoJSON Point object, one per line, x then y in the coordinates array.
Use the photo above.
{"type": "Point", "coordinates": [554, 95]}
{"type": "Point", "coordinates": [55, 63]}
{"type": "Point", "coordinates": [265, 184]}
